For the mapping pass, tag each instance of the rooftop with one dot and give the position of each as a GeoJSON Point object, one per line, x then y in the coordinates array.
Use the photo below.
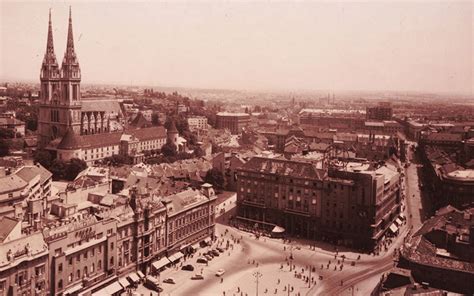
{"type": "Point", "coordinates": [297, 169]}
{"type": "Point", "coordinates": [240, 114]}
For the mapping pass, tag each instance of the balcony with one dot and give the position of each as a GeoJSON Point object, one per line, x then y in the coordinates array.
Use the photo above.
{"type": "Point", "coordinates": [300, 212]}
{"type": "Point", "coordinates": [254, 203]}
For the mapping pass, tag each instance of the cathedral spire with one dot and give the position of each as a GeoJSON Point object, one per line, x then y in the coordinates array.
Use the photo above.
{"type": "Point", "coordinates": [49, 43]}
{"type": "Point", "coordinates": [70, 37]}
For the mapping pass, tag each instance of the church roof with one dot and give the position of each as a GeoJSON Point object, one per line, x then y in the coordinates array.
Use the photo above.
{"type": "Point", "coordinates": [70, 141]}
{"type": "Point", "coordinates": [148, 133]}
{"type": "Point", "coordinates": [100, 140]}
{"type": "Point", "coordinates": [140, 121]}
{"type": "Point", "coordinates": [100, 104]}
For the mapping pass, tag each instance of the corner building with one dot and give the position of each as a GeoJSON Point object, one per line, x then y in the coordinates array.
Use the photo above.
{"type": "Point", "coordinates": [355, 206]}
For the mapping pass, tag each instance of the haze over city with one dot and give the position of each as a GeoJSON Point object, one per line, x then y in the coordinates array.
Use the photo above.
{"type": "Point", "coordinates": [404, 46]}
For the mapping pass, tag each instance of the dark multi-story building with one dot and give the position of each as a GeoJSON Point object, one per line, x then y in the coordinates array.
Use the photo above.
{"type": "Point", "coordinates": [381, 112]}
{"type": "Point", "coordinates": [354, 206]}
{"type": "Point", "coordinates": [232, 121]}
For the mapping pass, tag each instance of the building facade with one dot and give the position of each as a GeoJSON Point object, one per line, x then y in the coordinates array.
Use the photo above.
{"type": "Point", "coordinates": [234, 122]}
{"type": "Point", "coordinates": [354, 206]}
{"type": "Point", "coordinates": [196, 123]}
{"type": "Point", "coordinates": [381, 112]}
{"type": "Point", "coordinates": [190, 218]}
{"type": "Point", "coordinates": [23, 264]}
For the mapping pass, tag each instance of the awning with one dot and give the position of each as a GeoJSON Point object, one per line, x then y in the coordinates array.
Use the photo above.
{"type": "Point", "coordinates": [113, 288]}
{"type": "Point", "coordinates": [140, 274]}
{"type": "Point", "coordinates": [124, 282]}
{"type": "Point", "coordinates": [393, 228]}
{"type": "Point", "coordinates": [134, 277]}
{"type": "Point", "coordinates": [398, 221]}
{"type": "Point", "coordinates": [278, 229]}
{"type": "Point", "coordinates": [183, 247]}
{"type": "Point", "coordinates": [176, 256]}
{"type": "Point", "coordinates": [109, 290]}
{"type": "Point", "coordinates": [73, 289]}
{"type": "Point", "coordinates": [160, 263]}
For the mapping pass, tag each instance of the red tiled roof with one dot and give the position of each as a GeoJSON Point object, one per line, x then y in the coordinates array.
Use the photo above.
{"type": "Point", "coordinates": [149, 133]}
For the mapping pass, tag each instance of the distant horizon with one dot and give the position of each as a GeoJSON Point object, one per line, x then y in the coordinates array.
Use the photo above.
{"type": "Point", "coordinates": [323, 91]}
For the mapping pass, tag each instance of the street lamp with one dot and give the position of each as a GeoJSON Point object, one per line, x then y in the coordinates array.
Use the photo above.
{"type": "Point", "coordinates": [257, 275]}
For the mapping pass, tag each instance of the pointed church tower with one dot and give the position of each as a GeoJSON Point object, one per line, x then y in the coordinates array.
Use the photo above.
{"type": "Point", "coordinates": [49, 75]}
{"type": "Point", "coordinates": [172, 134]}
{"type": "Point", "coordinates": [60, 108]}
{"type": "Point", "coordinates": [70, 71]}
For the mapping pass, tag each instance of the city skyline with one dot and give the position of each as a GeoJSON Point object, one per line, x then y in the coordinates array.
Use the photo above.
{"type": "Point", "coordinates": [284, 54]}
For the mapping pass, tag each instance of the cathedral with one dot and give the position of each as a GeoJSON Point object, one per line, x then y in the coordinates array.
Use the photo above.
{"type": "Point", "coordinates": [88, 129]}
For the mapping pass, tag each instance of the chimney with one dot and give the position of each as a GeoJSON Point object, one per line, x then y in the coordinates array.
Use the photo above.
{"type": "Point", "coordinates": [207, 190]}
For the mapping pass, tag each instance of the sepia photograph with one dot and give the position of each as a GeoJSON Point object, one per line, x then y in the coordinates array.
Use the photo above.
{"type": "Point", "coordinates": [236, 148]}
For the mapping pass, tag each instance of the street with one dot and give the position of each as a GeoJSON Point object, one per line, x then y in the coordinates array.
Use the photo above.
{"type": "Point", "coordinates": [284, 268]}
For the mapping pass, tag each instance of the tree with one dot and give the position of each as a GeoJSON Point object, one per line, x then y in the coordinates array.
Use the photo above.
{"type": "Point", "coordinates": [4, 147]}
{"type": "Point", "coordinates": [117, 160]}
{"type": "Point", "coordinates": [6, 133]}
{"type": "Point", "coordinates": [44, 158]}
{"type": "Point", "coordinates": [155, 119]}
{"type": "Point", "coordinates": [215, 177]}
{"type": "Point", "coordinates": [74, 167]}
{"type": "Point", "coordinates": [169, 149]}
{"type": "Point", "coordinates": [57, 168]}
{"type": "Point", "coordinates": [198, 152]}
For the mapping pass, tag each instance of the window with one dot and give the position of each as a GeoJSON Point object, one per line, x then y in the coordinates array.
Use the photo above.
{"type": "Point", "coordinates": [60, 267]}
{"type": "Point", "coordinates": [78, 274]}
{"type": "Point", "coordinates": [60, 284]}
{"type": "Point", "coordinates": [111, 260]}
{"type": "Point", "coordinates": [70, 277]}
{"type": "Point", "coordinates": [92, 267]}
{"type": "Point", "coordinates": [99, 265]}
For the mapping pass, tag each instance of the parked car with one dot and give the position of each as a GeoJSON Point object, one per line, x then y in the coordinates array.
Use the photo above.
{"type": "Point", "coordinates": [220, 249]}
{"type": "Point", "coordinates": [188, 267]}
{"type": "Point", "coordinates": [209, 253]}
{"type": "Point", "coordinates": [215, 252]}
{"type": "Point", "coordinates": [169, 281]}
{"type": "Point", "coordinates": [220, 272]}
{"type": "Point", "coordinates": [153, 283]}
{"type": "Point", "coordinates": [208, 258]}
{"type": "Point", "coordinates": [197, 277]}
{"type": "Point", "coordinates": [202, 260]}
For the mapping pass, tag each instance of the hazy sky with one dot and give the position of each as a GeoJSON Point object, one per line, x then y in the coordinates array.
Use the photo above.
{"type": "Point", "coordinates": [420, 46]}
